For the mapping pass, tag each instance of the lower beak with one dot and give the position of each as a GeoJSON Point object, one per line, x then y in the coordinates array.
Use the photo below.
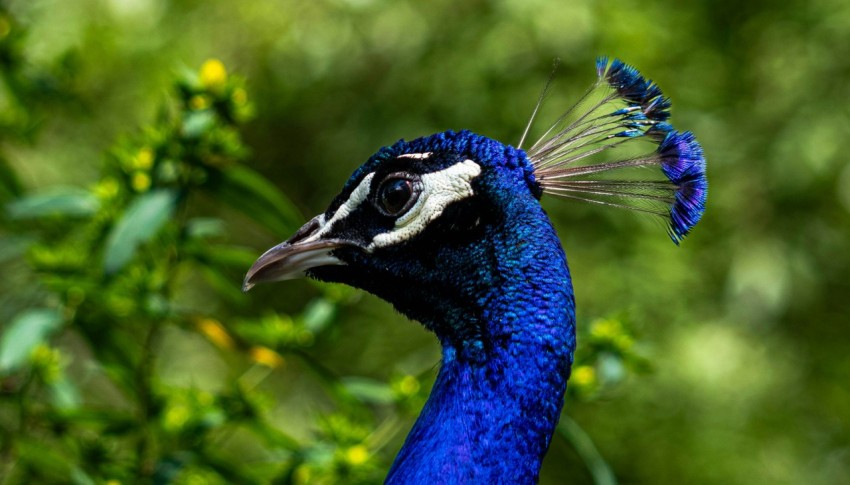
{"type": "Point", "coordinates": [290, 259]}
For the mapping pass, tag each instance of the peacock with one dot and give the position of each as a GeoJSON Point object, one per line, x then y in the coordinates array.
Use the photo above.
{"type": "Point", "coordinates": [449, 229]}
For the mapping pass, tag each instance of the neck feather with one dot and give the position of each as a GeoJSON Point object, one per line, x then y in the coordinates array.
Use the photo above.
{"type": "Point", "coordinates": [497, 398]}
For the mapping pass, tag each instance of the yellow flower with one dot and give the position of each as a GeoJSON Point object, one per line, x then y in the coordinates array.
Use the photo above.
{"type": "Point", "coordinates": [140, 182]}
{"type": "Point", "coordinates": [5, 26]}
{"type": "Point", "coordinates": [199, 102]}
{"type": "Point", "coordinates": [584, 376]}
{"type": "Point", "coordinates": [144, 159]}
{"type": "Point", "coordinates": [213, 74]}
{"type": "Point", "coordinates": [48, 361]}
{"type": "Point", "coordinates": [408, 385]}
{"type": "Point", "coordinates": [302, 474]}
{"type": "Point", "coordinates": [266, 357]}
{"type": "Point", "coordinates": [216, 333]}
{"type": "Point", "coordinates": [176, 416]}
{"type": "Point", "coordinates": [106, 189]}
{"type": "Point", "coordinates": [623, 342]}
{"type": "Point", "coordinates": [606, 329]}
{"type": "Point", "coordinates": [357, 455]}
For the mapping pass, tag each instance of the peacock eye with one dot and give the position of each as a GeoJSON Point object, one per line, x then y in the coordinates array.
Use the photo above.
{"type": "Point", "coordinates": [396, 194]}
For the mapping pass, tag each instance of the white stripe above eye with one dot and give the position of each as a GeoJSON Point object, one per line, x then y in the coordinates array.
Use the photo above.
{"type": "Point", "coordinates": [439, 190]}
{"type": "Point", "coordinates": [417, 156]}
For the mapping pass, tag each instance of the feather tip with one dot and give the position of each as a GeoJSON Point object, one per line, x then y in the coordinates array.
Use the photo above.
{"type": "Point", "coordinates": [634, 88]}
{"type": "Point", "coordinates": [683, 163]}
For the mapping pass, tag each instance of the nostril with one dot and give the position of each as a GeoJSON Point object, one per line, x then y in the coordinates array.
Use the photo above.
{"type": "Point", "coordinates": [307, 229]}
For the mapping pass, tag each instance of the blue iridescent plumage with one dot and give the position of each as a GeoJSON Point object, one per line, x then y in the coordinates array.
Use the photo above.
{"type": "Point", "coordinates": [448, 228]}
{"type": "Point", "coordinates": [683, 163]}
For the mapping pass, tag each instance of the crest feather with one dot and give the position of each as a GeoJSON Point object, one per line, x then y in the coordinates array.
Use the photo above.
{"type": "Point", "coordinates": [576, 156]}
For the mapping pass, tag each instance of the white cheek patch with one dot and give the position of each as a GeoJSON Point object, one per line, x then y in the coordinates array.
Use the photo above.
{"type": "Point", "coordinates": [358, 195]}
{"type": "Point", "coordinates": [439, 190]}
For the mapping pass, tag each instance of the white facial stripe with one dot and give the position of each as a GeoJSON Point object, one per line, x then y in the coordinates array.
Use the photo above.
{"type": "Point", "coordinates": [417, 156]}
{"type": "Point", "coordinates": [358, 195]}
{"type": "Point", "coordinates": [439, 189]}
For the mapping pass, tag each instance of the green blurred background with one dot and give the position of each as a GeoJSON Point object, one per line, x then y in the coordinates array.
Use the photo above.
{"type": "Point", "coordinates": [744, 329]}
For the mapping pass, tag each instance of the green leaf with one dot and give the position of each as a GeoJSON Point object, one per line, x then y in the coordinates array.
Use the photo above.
{"type": "Point", "coordinates": [369, 390]}
{"type": "Point", "coordinates": [80, 477]}
{"type": "Point", "coordinates": [252, 194]}
{"type": "Point", "coordinates": [611, 368]}
{"type": "Point", "coordinates": [143, 219]}
{"type": "Point", "coordinates": [205, 227]}
{"type": "Point", "coordinates": [318, 314]}
{"type": "Point", "coordinates": [61, 201]}
{"type": "Point", "coordinates": [26, 331]}
{"type": "Point", "coordinates": [64, 394]}
{"type": "Point", "coordinates": [188, 78]}
{"type": "Point", "coordinates": [197, 122]}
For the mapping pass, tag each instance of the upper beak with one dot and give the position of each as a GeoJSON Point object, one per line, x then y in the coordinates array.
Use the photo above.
{"type": "Point", "coordinates": [306, 249]}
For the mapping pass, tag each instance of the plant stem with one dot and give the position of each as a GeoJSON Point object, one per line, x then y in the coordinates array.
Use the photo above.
{"type": "Point", "coordinates": [587, 451]}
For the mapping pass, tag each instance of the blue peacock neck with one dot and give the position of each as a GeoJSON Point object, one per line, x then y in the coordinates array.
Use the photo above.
{"type": "Point", "coordinates": [499, 392]}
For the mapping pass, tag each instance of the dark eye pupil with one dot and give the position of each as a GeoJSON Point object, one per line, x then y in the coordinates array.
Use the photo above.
{"type": "Point", "coordinates": [395, 194]}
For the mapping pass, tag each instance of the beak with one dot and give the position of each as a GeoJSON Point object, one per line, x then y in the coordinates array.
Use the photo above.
{"type": "Point", "coordinates": [291, 258]}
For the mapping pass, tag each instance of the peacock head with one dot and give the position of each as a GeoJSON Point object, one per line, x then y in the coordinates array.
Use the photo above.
{"type": "Point", "coordinates": [419, 215]}
{"type": "Point", "coordinates": [429, 216]}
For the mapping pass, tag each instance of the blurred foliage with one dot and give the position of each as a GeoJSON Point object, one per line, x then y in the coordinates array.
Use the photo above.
{"type": "Point", "coordinates": [128, 352]}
